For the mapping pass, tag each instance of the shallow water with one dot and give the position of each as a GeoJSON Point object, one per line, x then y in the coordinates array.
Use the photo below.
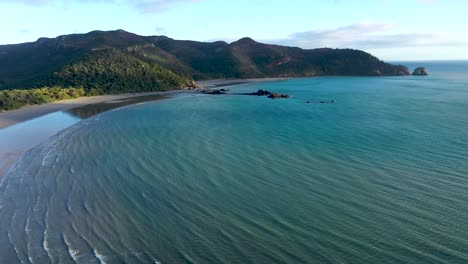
{"type": "Point", "coordinates": [17, 139]}
{"type": "Point", "coordinates": [379, 176]}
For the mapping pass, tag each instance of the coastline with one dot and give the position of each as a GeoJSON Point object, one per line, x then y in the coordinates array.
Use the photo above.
{"type": "Point", "coordinates": [85, 107]}
{"type": "Point", "coordinates": [80, 108]}
{"type": "Point", "coordinates": [13, 117]}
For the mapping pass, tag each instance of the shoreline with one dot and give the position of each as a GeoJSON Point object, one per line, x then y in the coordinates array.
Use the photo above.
{"type": "Point", "coordinates": [85, 107]}
{"type": "Point", "coordinates": [80, 108]}
{"type": "Point", "coordinates": [13, 117]}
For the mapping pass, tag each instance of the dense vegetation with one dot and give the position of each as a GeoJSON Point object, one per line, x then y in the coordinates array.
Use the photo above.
{"type": "Point", "coordinates": [119, 61]}
{"type": "Point", "coordinates": [14, 99]}
{"type": "Point", "coordinates": [104, 72]}
{"type": "Point", "coordinates": [111, 71]}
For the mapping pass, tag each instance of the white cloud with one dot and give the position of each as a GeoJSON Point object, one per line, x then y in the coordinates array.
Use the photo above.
{"type": "Point", "coordinates": [146, 6]}
{"type": "Point", "coordinates": [149, 6]}
{"type": "Point", "coordinates": [25, 31]}
{"type": "Point", "coordinates": [160, 30]}
{"type": "Point", "coordinates": [28, 2]}
{"type": "Point", "coordinates": [366, 36]}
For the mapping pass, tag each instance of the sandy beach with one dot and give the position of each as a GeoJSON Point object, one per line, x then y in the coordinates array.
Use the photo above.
{"type": "Point", "coordinates": [13, 117]}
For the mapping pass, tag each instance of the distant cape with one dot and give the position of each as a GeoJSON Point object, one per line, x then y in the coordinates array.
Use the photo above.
{"type": "Point", "coordinates": [107, 59]}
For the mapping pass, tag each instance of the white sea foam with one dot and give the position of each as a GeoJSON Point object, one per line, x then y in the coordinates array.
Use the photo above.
{"type": "Point", "coordinates": [27, 227]}
{"type": "Point", "coordinates": [74, 254]}
{"type": "Point", "coordinates": [13, 244]}
{"type": "Point", "coordinates": [100, 256]}
{"type": "Point", "coordinates": [86, 207]}
{"type": "Point", "coordinates": [45, 157]}
{"type": "Point", "coordinates": [69, 208]}
{"type": "Point", "coordinates": [51, 148]}
{"type": "Point", "coordinates": [45, 243]}
{"type": "Point", "coordinates": [51, 154]}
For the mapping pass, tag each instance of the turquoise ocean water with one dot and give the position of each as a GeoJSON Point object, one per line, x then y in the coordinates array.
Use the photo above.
{"type": "Point", "coordinates": [379, 176]}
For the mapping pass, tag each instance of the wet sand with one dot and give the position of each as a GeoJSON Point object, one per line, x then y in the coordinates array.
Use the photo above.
{"type": "Point", "coordinates": [13, 117]}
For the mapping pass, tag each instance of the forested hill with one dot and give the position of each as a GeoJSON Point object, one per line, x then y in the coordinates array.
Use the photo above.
{"type": "Point", "coordinates": [119, 61]}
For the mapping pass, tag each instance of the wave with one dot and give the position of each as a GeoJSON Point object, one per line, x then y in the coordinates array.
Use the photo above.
{"type": "Point", "coordinates": [102, 259]}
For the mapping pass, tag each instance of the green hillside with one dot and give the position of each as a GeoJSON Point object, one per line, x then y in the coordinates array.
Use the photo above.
{"type": "Point", "coordinates": [112, 71]}
{"type": "Point", "coordinates": [119, 61]}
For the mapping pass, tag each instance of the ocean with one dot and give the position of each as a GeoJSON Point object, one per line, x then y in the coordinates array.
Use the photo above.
{"type": "Point", "coordinates": [347, 170]}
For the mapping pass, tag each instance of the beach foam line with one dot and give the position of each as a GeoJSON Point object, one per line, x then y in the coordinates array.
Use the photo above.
{"type": "Point", "coordinates": [74, 253]}
{"type": "Point", "coordinates": [102, 258]}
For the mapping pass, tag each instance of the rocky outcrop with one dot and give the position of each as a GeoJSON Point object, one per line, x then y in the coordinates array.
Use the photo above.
{"type": "Point", "coordinates": [191, 85]}
{"type": "Point", "coordinates": [277, 95]}
{"type": "Point", "coordinates": [401, 70]}
{"type": "Point", "coordinates": [269, 94]}
{"type": "Point", "coordinates": [260, 93]}
{"type": "Point", "coordinates": [215, 92]}
{"type": "Point", "coordinates": [420, 71]}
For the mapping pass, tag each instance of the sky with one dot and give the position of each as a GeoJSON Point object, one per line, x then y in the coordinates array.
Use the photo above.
{"type": "Point", "coordinates": [393, 30]}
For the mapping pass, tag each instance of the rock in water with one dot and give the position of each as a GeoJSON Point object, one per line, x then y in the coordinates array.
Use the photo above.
{"type": "Point", "coordinates": [420, 71]}
{"type": "Point", "coordinates": [268, 93]}
{"type": "Point", "coordinates": [260, 93]}
{"type": "Point", "coordinates": [277, 95]}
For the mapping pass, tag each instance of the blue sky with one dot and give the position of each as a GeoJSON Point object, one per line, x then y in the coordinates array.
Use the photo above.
{"type": "Point", "coordinates": [389, 29]}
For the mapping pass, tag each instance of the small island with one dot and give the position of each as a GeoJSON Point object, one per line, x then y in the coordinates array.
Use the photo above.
{"type": "Point", "coordinates": [420, 71]}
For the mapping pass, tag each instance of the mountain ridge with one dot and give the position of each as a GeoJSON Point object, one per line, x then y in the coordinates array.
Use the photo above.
{"type": "Point", "coordinates": [37, 64]}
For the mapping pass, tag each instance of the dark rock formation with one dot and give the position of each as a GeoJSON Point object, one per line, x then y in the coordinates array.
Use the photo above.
{"type": "Point", "coordinates": [420, 71]}
{"type": "Point", "coordinates": [268, 93]}
{"type": "Point", "coordinates": [260, 93]}
{"type": "Point", "coordinates": [277, 95]}
{"type": "Point", "coordinates": [323, 102]}
{"type": "Point", "coordinates": [215, 92]}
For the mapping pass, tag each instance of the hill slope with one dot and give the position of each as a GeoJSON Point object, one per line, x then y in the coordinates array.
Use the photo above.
{"type": "Point", "coordinates": [119, 61]}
